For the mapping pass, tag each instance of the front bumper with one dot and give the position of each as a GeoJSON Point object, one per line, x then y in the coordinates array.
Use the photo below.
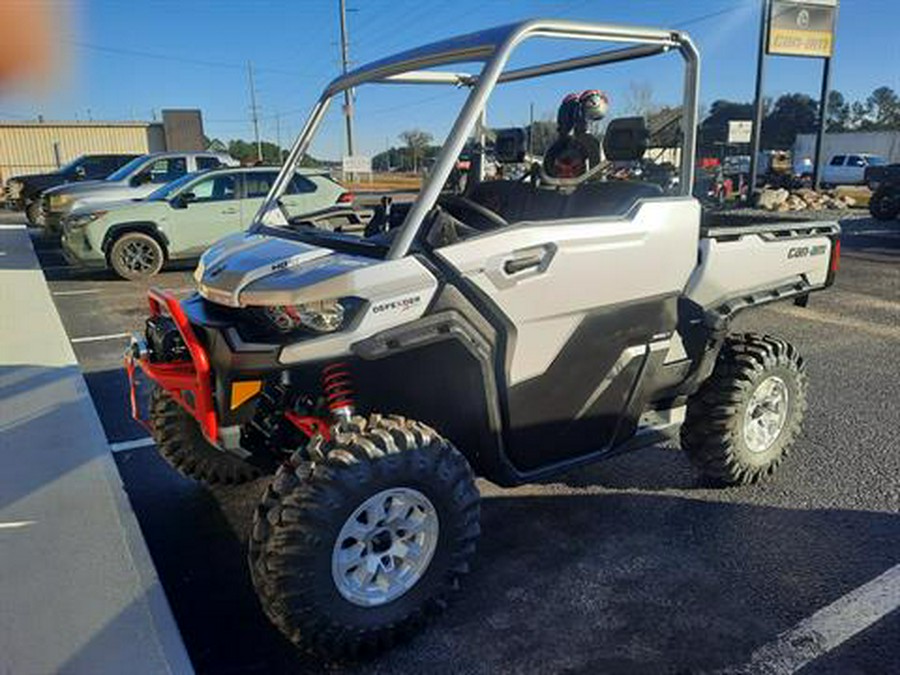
{"type": "Point", "coordinates": [78, 251]}
{"type": "Point", "coordinates": [189, 382]}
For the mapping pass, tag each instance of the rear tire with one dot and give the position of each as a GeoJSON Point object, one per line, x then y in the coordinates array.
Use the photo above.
{"type": "Point", "coordinates": [34, 212]}
{"type": "Point", "coordinates": [313, 551]}
{"type": "Point", "coordinates": [135, 255]}
{"type": "Point", "coordinates": [742, 422]}
{"type": "Point", "coordinates": [883, 205]}
{"type": "Point", "coordinates": [182, 444]}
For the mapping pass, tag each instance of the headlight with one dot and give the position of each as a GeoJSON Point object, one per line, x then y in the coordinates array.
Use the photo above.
{"type": "Point", "coordinates": [14, 188]}
{"type": "Point", "coordinates": [321, 316]}
{"type": "Point", "coordinates": [58, 202]}
{"type": "Point", "coordinates": [83, 219]}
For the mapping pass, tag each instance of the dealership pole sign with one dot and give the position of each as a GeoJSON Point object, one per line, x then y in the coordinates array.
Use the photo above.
{"type": "Point", "coordinates": [802, 28]}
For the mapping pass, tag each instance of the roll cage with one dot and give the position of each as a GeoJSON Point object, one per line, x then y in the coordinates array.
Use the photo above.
{"type": "Point", "coordinates": [493, 47]}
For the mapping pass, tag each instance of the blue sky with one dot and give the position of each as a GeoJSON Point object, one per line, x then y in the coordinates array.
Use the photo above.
{"type": "Point", "coordinates": [126, 59]}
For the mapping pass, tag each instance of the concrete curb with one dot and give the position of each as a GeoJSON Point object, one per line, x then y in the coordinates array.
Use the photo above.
{"type": "Point", "coordinates": [78, 589]}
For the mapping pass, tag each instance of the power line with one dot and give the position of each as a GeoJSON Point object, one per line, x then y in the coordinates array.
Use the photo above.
{"type": "Point", "coordinates": [175, 59]}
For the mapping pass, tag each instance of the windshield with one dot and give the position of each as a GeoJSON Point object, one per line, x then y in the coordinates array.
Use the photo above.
{"type": "Point", "coordinates": [71, 166]}
{"type": "Point", "coordinates": [875, 160]}
{"type": "Point", "coordinates": [125, 171]}
{"type": "Point", "coordinates": [169, 189]}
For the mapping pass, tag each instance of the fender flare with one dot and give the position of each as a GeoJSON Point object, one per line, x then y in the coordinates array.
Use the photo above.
{"type": "Point", "coordinates": [147, 227]}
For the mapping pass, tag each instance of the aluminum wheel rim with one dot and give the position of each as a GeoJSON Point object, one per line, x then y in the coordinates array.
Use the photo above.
{"type": "Point", "coordinates": [138, 256]}
{"type": "Point", "coordinates": [385, 547]}
{"type": "Point", "coordinates": [766, 414]}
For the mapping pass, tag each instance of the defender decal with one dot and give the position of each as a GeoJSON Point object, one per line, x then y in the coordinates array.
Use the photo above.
{"type": "Point", "coordinates": [401, 305]}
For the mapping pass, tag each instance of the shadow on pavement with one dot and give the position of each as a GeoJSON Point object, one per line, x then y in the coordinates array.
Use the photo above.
{"type": "Point", "coordinates": [604, 583]}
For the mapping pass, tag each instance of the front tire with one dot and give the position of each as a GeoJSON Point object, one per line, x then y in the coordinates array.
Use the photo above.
{"type": "Point", "coordinates": [883, 205]}
{"type": "Point", "coordinates": [34, 212]}
{"type": "Point", "coordinates": [742, 422]}
{"type": "Point", "coordinates": [135, 255]}
{"type": "Point", "coordinates": [354, 552]}
{"type": "Point", "coordinates": [181, 443]}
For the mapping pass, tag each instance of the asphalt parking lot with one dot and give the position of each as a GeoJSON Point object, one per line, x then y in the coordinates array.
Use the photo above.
{"type": "Point", "coordinates": [632, 566]}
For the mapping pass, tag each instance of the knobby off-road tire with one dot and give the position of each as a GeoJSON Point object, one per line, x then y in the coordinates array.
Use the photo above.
{"type": "Point", "coordinates": [736, 431]}
{"type": "Point", "coordinates": [884, 205]}
{"type": "Point", "coordinates": [181, 443]}
{"type": "Point", "coordinates": [300, 535]}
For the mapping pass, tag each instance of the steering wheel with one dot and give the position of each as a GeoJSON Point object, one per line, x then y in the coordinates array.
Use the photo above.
{"type": "Point", "coordinates": [484, 218]}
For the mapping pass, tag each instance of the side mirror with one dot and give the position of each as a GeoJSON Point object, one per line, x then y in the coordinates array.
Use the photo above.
{"type": "Point", "coordinates": [182, 200]}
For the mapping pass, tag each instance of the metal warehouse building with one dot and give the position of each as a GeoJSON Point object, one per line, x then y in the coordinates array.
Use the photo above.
{"type": "Point", "coordinates": [38, 147]}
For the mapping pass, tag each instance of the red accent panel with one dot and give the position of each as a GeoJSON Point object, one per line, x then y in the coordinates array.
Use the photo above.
{"type": "Point", "coordinates": [836, 256]}
{"type": "Point", "coordinates": [187, 382]}
{"type": "Point", "coordinates": [309, 424]}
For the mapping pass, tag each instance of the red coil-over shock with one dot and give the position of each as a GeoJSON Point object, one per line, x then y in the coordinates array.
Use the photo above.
{"type": "Point", "coordinates": [338, 387]}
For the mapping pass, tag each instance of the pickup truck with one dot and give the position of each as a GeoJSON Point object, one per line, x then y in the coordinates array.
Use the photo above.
{"type": "Point", "coordinates": [849, 169]}
{"type": "Point", "coordinates": [23, 193]}
{"type": "Point", "coordinates": [135, 180]}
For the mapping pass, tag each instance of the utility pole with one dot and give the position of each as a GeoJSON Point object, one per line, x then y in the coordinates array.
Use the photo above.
{"type": "Point", "coordinates": [531, 131]}
{"type": "Point", "coordinates": [345, 62]}
{"type": "Point", "coordinates": [254, 113]}
{"type": "Point", "coordinates": [756, 131]}
{"type": "Point", "coordinates": [278, 136]}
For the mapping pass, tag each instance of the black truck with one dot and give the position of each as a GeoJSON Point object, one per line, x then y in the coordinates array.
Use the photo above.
{"type": "Point", "coordinates": [884, 181]}
{"type": "Point", "coordinates": [23, 193]}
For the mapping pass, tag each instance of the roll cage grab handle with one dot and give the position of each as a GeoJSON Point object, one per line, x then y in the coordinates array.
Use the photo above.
{"type": "Point", "coordinates": [495, 46]}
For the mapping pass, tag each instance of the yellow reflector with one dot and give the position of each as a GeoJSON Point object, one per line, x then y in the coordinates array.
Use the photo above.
{"type": "Point", "coordinates": [244, 391]}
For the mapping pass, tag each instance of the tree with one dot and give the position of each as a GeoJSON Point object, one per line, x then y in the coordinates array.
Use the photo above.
{"type": "Point", "coordinates": [792, 114]}
{"type": "Point", "coordinates": [543, 134]}
{"type": "Point", "coordinates": [838, 114]}
{"type": "Point", "coordinates": [885, 106]}
{"type": "Point", "coordinates": [714, 128]}
{"type": "Point", "coordinates": [416, 141]}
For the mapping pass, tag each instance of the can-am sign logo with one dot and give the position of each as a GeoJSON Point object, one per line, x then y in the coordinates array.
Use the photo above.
{"type": "Point", "coordinates": [804, 28]}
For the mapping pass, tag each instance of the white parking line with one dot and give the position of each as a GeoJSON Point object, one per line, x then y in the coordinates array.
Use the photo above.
{"type": "Point", "coordinates": [86, 291]}
{"type": "Point", "coordinates": [13, 227]}
{"type": "Point", "coordinates": [16, 525]}
{"type": "Point", "coordinates": [122, 446]}
{"type": "Point", "coordinates": [98, 338]}
{"type": "Point", "coordinates": [827, 629]}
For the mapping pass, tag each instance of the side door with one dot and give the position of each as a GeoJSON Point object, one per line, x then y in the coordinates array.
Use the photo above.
{"type": "Point", "coordinates": [834, 172]}
{"type": "Point", "coordinates": [159, 172]}
{"type": "Point", "coordinates": [203, 212]}
{"type": "Point", "coordinates": [304, 196]}
{"type": "Point", "coordinates": [582, 306]}
{"type": "Point", "coordinates": [856, 169]}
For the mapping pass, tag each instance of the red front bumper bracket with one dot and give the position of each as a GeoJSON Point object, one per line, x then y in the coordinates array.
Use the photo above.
{"type": "Point", "coordinates": [187, 382]}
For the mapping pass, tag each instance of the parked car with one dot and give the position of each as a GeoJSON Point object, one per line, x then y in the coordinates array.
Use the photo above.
{"type": "Point", "coordinates": [23, 193]}
{"type": "Point", "coordinates": [849, 169]}
{"type": "Point", "coordinates": [181, 219]}
{"type": "Point", "coordinates": [139, 178]}
{"type": "Point", "coordinates": [884, 181]}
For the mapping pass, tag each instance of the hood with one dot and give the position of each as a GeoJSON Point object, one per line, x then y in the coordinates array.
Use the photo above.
{"type": "Point", "coordinates": [118, 205]}
{"type": "Point", "coordinates": [244, 268]}
{"type": "Point", "coordinates": [76, 188]}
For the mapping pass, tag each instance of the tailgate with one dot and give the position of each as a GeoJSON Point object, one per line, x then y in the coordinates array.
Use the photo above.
{"type": "Point", "coordinates": [754, 264]}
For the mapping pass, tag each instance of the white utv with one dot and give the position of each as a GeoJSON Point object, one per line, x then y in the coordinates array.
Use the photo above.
{"type": "Point", "coordinates": [514, 330]}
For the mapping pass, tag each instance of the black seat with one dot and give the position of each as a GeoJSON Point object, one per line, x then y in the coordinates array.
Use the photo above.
{"type": "Point", "coordinates": [515, 201]}
{"type": "Point", "coordinates": [609, 198]}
